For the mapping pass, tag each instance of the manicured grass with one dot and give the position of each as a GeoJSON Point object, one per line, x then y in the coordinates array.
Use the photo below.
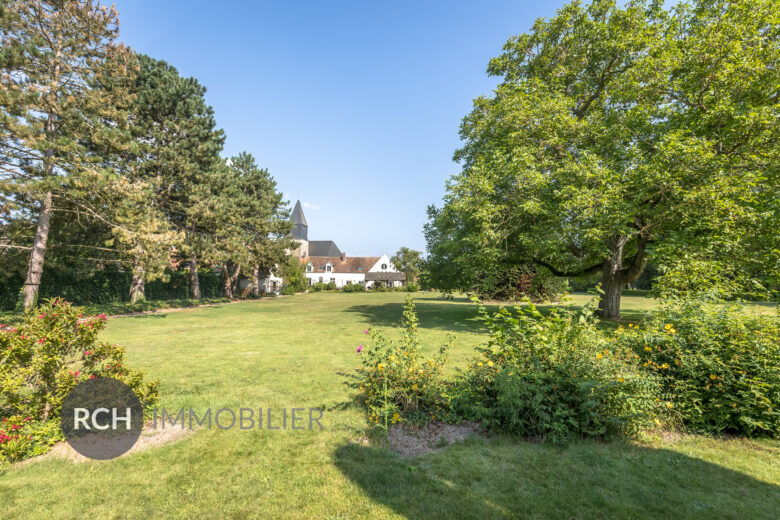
{"type": "Point", "coordinates": [300, 352]}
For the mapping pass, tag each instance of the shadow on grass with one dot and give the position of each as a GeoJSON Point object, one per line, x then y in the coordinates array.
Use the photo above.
{"type": "Point", "coordinates": [585, 480]}
{"type": "Point", "coordinates": [457, 317]}
{"type": "Point", "coordinates": [461, 315]}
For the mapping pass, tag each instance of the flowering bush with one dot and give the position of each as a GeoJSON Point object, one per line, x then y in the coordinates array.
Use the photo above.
{"type": "Point", "coordinates": [52, 350]}
{"type": "Point", "coordinates": [397, 382]}
{"type": "Point", "coordinates": [719, 366]}
{"type": "Point", "coordinates": [555, 376]}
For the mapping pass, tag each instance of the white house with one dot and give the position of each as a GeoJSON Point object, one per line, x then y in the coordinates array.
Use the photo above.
{"type": "Point", "coordinates": [324, 262]}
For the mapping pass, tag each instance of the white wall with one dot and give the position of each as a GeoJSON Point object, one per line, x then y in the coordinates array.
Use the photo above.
{"type": "Point", "coordinates": [341, 279]}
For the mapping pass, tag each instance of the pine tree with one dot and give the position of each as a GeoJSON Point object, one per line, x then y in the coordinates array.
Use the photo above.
{"type": "Point", "coordinates": [55, 56]}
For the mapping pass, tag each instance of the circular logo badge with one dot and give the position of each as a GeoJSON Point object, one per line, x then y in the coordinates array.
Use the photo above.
{"type": "Point", "coordinates": [101, 418]}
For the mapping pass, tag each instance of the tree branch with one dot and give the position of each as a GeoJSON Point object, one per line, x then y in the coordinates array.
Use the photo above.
{"type": "Point", "coordinates": [588, 270]}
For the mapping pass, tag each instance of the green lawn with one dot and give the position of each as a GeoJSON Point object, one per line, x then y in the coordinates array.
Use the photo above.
{"type": "Point", "coordinates": [300, 352]}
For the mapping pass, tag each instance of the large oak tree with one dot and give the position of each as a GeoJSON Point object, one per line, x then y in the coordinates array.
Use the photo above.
{"type": "Point", "coordinates": [618, 133]}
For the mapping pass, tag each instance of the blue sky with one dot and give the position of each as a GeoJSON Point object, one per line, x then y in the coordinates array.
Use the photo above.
{"type": "Point", "coordinates": [353, 106]}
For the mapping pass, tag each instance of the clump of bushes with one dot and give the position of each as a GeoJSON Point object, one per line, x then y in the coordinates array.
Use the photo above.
{"type": "Point", "coordinates": [555, 376]}
{"type": "Point", "coordinates": [353, 287]}
{"type": "Point", "coordinates": [397, 381]}
{"type": "Point", "coordinates": [712, 368]}
{"type": "Point", "coordinates": [321, 286]}
{"type": "Point", "coordinates": [719, 366]}
{"type": "Point", "coordinates": [53, 349]}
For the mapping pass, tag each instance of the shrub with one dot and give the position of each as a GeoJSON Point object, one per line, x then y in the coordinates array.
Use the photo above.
{"type": "Point", "coordinates": [379, 287]}
{"type": "Point", "coordinates": [320, 286]}
{"type": "Point", "coordinates": [397, 383]}
{"type": "Point", "coordinates": [554, 376]}
{"type": "Point", "coordinates": [52, 350]}
{"type": "Point", "coordinates": [294, 276]}
{"type": "Point", "coordinates": [353, 287]}
{"type": "Point", "coordinates": [718, 366]}
{"type": "Point", "coordinates": [411, 287]}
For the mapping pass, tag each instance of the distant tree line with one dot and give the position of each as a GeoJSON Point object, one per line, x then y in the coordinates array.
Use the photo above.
{"type": "Point", "coordinates": [109, 159]}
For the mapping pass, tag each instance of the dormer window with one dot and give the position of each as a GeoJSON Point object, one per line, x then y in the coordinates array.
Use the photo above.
{"type": "Point", "coordinates": [328, 268]}
{"type": "Point", "coordinates": [309, 267]}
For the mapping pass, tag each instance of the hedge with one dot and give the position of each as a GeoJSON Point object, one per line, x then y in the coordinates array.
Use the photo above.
{"type": "Point", "coordinates": [97, 287]}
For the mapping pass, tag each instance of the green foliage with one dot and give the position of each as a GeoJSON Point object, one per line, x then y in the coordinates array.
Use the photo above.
{"type": "Point", "coordinates": [52, 350]}
{"type": "Point", "coordinates": [397, 382]}
{"type": "Point", "coordinates": [719, 366]}
{"type": "Point", "coordinates": [107, 287]}
{"type": "Point", "coordinates": [322, 286]}
{"type": "Point", "coordinates": [555, 376]}
{"type": "Point", "coordinates": [408, 261]}
{"type": "Point", "coordinates": [621, 132]}
{"type": "Point", "coordinates": [293, 275]}
{"type": "Point", "coordinates": [353, 287]}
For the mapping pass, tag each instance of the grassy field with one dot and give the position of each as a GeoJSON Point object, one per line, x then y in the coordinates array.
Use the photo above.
{"type": "Point", "coordinates": [299, 352]}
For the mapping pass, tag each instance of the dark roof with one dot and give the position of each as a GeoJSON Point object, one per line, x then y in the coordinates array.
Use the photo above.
{"type": "Point", "coordinates": [323, 248]}
{"type": "Point", "coordinates": [385, 277]}
{"type": "Point", "coordinates": [301, 230]}
{"type": "Point", "coordinates": [353, 264]}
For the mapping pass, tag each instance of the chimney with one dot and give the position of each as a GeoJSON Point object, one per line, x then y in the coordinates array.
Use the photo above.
{"type": "Point", "coordinates": [343, 256]}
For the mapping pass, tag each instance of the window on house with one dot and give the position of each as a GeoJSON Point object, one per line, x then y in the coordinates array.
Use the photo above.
{"type": "Point", "coordinates": [360, 268]}
{"type": "Point", "coordinates": [309, 268]}
{"type": "Point", "coordinates": [384, 266]}
{"type": "Point", "coordinates": [333, 280]}
{"type": "Point", "coordinates": [329, 268]}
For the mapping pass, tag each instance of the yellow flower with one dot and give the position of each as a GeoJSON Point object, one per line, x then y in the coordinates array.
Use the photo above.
{"type": "Point", "coordinates": [479, 364]}
{"type": "Point", "coordinates": [668, 326]}
{"type": "Point", "coordinates": [713, 376]}
{"type": "Point", "coordinates": [665, 366]}
{"type": "Point", "coordinates": [669, 405]}
{"type": "Point", "coordinates": [677, 362]}
{"type": "Point", "coordinates": [380, 366]}
{"type": "Point", "coordinates": [620, 379]}
{"type": "Point", "coordinates": [490, 363]}
{"type": "Point", "coordinates": [657, 422]}
{"type": "Point", "coordinates": [672, 331]}
{"type": "Point", "coordinates": [414, 387]}
{"type": "Point", "coordinates": [648, 349]}
{"type": "Point", "coordinates": [599, 355]}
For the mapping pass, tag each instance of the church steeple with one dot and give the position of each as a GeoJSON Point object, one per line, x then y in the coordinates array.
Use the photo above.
{"type": "Point", "coordinates": [301, 231]}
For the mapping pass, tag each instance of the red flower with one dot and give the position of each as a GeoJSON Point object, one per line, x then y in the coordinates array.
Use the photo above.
{"type": "Point", "coordinates": [41, 340]}
{"type": "Point", "coordinates": [42, 315]}
{"type": "Point", "coordinates": [87, 352]}
{"type": "Point", "coordinates": [92, 376]}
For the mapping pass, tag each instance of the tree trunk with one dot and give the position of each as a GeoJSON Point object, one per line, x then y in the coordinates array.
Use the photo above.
{"type": "Point", "coordinates": [227, 283]}
{"type": "Point", "coordinates": [137, 286]}
{"type": "Point", "coordinates": [256, 288]}
{"type": "Point", "coordinates": [614, 277]}
{"type": "Point", "coordinates": [35, 266]}
{"type": "Point", "coordinates": [609, 306]}
{"type": "Point", "coordinates": [194, 280]}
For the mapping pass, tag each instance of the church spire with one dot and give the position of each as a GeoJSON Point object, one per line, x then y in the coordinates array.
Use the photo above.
{"type": "Point", "coordinates": [301, 231]}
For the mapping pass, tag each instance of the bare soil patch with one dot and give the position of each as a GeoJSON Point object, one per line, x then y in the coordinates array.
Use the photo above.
{"type": "Point", "coordinates": [150, 438]}
{"type": "Point", "coordinates": [411, 442]}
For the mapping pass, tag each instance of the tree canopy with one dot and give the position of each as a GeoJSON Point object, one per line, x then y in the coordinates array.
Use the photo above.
{"type": "Point", "coordinates": [619, 133]}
